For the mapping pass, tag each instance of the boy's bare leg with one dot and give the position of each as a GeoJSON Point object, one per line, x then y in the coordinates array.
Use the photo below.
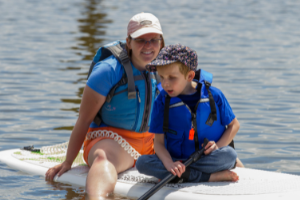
{"type": "Point", "coordinates": [239, 163]}
{"type": "Point", "coordinates": [106, 158]}
{"type": "Point", "coordinates": [225, 175]}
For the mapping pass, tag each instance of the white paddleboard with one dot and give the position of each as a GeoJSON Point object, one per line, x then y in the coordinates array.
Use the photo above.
{"type": "Point", "coordinates": [253, 184]}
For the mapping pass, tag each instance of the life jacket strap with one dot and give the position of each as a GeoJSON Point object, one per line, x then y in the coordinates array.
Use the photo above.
{"type": "Point", "coordinates": [157, 77]}
{"type": "Point", "coordinates": [166, 114]}
{"type": "Point", "coordinates": [91, 69]}
{"type": "Point", "coordinates": [111, 93]}
{"type": "Point", "coordinates": [213, 115]}
{"type": "Point", "coordinates": [122, 56]}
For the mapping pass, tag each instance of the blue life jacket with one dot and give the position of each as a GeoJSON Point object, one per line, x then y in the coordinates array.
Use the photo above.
{"type": "Point", "coordinates": [179, 120]}
{"type": "Point", "coordinates": [129, 103]}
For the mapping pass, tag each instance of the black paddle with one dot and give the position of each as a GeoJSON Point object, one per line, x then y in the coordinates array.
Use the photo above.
{"type": "Point", "coordinates": [193, 158]}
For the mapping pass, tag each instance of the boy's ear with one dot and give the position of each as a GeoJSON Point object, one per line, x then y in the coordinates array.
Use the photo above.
{"type": "Point", "coordinates": [190, 75]}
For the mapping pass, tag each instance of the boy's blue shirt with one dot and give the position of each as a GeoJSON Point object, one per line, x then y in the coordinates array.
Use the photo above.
{"type": "Point", "coordinates": [157, 117]}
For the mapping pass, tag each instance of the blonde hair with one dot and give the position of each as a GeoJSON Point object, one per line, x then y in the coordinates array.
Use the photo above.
{"type": "Point", "coordinates": [182, 67]}
{"type": "Point", "coordinates": [129, 51]}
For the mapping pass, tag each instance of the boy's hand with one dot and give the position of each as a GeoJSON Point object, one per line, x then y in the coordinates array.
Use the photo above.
{"type": "Point", "coordinates": [210, 147]}
{"type": "Point", "coordinates": [176, 168]}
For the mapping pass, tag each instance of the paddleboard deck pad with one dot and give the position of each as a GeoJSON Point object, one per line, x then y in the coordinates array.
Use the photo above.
{"type": "Point", "coordinates": [252, 183]}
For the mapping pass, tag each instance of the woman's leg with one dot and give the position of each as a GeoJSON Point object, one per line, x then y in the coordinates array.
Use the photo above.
{"type": "Point", "coordinates": [106, 158]}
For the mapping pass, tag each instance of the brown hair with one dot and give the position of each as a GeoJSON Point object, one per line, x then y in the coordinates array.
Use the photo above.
{"type": "Point", "coordinates": [129, 51]}
{"type": "Point", "coordinates": [182, 67]}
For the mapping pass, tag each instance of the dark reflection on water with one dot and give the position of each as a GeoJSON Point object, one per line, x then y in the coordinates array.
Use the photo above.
{"type": "Point", "coordinates": [251, 47]}
{"type": "Point", "coordinates": [91, 26]}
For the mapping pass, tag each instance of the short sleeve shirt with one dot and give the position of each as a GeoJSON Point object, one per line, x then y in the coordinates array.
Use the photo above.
{"type": "Point", "coordinates": [157, 116]}
{"type": "Point", "coordinates": [105, 75]}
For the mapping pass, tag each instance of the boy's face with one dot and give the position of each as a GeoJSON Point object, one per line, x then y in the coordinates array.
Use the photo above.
{"type": "Point", "coordinates": [173, 81]}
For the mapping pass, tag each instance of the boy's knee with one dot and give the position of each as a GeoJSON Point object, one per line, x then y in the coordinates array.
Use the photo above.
{"type": "Point", "coordinates": [229, 153]}
{"type": "Point", "coordinates": [232, 155]}
{"type": "Point", "coordinates": [141, 162]}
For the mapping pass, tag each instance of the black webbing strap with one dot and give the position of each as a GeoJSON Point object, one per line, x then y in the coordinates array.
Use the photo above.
{"type": "Point", "coordinates": [111, 93]}
{"type": "Point", "coordinates": [120, 54]}
{"type": "Point", "coordinates": [157, 77]}
{"type": "Point", "coordinates": [97, 119]}
{"type": "Point", "coordinates": [166, 114]}
{"type": "Point", "coordinates": [91, 69]}
{"type": "Point", "coordinates": [194, 123]}
{"type": "Point", "coordinates": [213, 114]}
{"type": "Point", "coordinates": [231, 144]}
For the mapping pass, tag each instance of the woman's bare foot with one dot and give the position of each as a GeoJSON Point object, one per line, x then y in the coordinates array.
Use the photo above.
{"type": "Point", "coordinates": [225, 175]}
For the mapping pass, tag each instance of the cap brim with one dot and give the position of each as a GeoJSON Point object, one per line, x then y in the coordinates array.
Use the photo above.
{"type": "Point", "coordinates": [144, 31]}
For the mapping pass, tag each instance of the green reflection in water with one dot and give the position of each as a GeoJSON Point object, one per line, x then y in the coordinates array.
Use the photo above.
{"type": "Point", "coordinates": [75, 101]}
{"type": "Point", "coordinates": [68, 128]}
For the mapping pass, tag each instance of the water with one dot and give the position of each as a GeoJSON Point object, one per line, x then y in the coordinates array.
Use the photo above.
{"type": "Point", "coordinates": [251, 47]}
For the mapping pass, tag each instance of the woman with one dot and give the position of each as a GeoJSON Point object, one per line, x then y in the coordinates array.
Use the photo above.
{"type": "Point", "coordinates": [105, 156]}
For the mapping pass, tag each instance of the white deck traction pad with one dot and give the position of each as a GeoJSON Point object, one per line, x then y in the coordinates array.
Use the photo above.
{"type": "Point", "coordinates": [251, 181]}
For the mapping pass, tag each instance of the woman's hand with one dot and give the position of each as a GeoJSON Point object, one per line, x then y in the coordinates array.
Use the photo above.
{"type": "Point", "coordinates": [210, 147]}
{"type": "Point", "coordinates": [58, 169]}
{"type": "Point", "coordinates": [176, 168]}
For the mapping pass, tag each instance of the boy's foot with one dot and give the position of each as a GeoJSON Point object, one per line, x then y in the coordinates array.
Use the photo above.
{"type": "Point", "coordinates": [225, 175]}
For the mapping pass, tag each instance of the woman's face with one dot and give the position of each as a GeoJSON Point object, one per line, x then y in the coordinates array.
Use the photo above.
{"type": "Point", "coordinates": [144, 52]}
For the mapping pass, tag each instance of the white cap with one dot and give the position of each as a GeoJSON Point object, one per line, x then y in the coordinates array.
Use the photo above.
{"type": "Point", "coordinates": [143, 23]}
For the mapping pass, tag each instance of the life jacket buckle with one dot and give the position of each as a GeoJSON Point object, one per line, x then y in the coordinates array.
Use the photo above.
{"type": "Point", "coordinates": [210, 120]}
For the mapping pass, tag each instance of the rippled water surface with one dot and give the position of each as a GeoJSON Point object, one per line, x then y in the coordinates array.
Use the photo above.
{"type": "Point", "coordinates": [252, 48]}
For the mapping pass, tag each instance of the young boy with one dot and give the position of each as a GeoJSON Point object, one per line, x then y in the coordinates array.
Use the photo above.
{"type": "Point", "coordinates": [186, 111]}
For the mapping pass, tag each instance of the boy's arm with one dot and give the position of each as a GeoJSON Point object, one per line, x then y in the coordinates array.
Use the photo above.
{"type": "Point", "coordinates": [227, 117]}
{"type": "Point", "coordinates": [229, 133]}
{"type": "Point", "coordinates": [225, 139]}
{"type": "Point", "coordinates": [176, 168]}
{"type": "Point", "coordinates": [160, 149]}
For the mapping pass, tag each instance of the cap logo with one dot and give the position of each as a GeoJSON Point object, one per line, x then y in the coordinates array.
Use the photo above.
{"type": "Point", "coordinates": [145, 22]}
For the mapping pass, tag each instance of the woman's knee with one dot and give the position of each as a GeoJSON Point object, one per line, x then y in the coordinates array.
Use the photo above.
{"type": "Point", "coordinates": [98, 156]}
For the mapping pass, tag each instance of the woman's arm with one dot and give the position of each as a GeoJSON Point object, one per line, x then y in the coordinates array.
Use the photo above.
{"type": "Point", "coordinates": [90, 105]}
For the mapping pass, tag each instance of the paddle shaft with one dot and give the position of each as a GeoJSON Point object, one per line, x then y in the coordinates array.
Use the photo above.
{"type": "Point", "coordinates": [194, 157]}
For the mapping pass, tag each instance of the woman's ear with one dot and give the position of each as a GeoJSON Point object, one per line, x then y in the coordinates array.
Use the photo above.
{"type": "Point", "coordinates": [128, 42]}
{"type": "Point", "coordinates": [190, 75]}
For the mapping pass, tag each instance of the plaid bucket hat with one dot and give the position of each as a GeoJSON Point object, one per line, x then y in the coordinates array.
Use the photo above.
{"type": "Point", "coordinates": [173, 53]}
